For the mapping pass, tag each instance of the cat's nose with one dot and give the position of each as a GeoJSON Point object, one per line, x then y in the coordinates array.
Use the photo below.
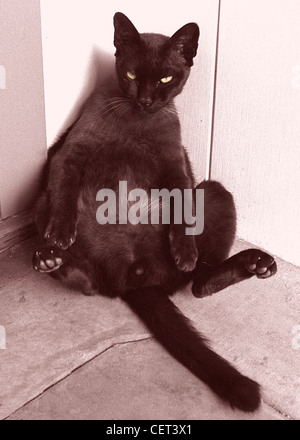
{"type": "Point", "coordinates": [145, 102]}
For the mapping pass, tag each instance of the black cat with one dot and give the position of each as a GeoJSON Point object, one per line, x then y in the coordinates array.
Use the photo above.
{"type": "Point", "coordinates": [129, 132]}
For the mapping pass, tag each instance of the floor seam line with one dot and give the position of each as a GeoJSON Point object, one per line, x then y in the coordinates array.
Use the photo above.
{"type": "Point", "coordinates": [278, 411]}
{"type": "Point", "coordinates": [115, 344]}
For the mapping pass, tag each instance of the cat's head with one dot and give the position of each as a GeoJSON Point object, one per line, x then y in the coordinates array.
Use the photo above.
{"type": "Point", "coordinates": [152, 68]}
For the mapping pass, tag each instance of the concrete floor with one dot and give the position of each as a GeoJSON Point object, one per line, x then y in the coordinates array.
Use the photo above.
{"type": "Point", "coordinates": [69, 356]}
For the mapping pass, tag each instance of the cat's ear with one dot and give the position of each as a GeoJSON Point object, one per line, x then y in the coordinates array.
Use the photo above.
{"type": "Point", "coordinates": [185, 41]}
{"type": "Point", "coordinates": [125, 32]}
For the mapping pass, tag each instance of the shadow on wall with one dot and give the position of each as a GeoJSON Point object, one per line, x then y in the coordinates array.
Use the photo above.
{"type": "Point", "coordinates": [100, 66]}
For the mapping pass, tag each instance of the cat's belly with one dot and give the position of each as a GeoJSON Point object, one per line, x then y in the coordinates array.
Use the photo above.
{"type": "Point", "coordinates": [117, 232]}
{"type": "Point", "coordinates": [118, 221]}
{"type": "Point", "coordinates": [120, 196]}
{"type": "Point", "coordinates": [116, 191]}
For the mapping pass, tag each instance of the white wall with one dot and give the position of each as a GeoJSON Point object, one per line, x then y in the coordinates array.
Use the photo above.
{"type": "Point", "coordinates": [78, 39]}
{"type": "Point", "coordinates": [256, 147]}
{"type": "Point", "coordinates": [22, 119]}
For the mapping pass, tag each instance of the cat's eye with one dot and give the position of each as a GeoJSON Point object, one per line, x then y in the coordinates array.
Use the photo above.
{"type": "Point", "coordinates": [166, 80]}
{"type": "Point", "coordinates": [131, 76]}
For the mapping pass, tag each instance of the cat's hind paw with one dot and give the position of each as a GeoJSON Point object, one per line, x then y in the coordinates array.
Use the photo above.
{"type": "Point", "coordinates": [47, 259]}
{"type": "Point", "coordinates": [260, 263]}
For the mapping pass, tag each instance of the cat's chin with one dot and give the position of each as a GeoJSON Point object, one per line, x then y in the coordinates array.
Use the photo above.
{"type": "Point", "coordinates": [144, 111]}
{"type": "Point", "coordinates": [148, 111]}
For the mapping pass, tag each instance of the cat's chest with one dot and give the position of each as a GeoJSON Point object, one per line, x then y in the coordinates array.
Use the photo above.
{"type": "Point", "coordinates": [137, 151]}
{"type": "Point", "coordinates": [139, 156]}
{"type": "Point", "coordinates": [134, 148]}
{"type": "Point", "coordinates": [133, 158]}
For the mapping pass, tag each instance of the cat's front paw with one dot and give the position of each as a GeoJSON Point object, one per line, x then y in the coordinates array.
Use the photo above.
{"type": "Point", "coordinates": [183, 251]}
{"type": "Point", "coordinates": [61, 232]}
{"type": "Point", "coordinates": [47, 259]}
{"type": "Point", "coordinates": [259, 263]}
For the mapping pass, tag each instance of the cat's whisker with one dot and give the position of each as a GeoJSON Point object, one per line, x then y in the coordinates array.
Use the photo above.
{"type": "Point", "coordinates": [171, 110]}
{"type": "Point", "coordinates": [111, 108]}
{"type": "Point", "coordinates": [113, 102]}
{"type": "Point", "coordinates": [117, 111]}
{"type": "Point", "coordinates": [116, 98]}
{"type": "Point", "coordinates": [166, 115]}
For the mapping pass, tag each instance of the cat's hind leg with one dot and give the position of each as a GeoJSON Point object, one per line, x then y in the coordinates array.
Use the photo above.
{"type": "Point", "coordinates": [215, 242]}
{"type": "Point", "coordinates": [71, 270]}
{"type": "Point", "coordinates": [68, 266]}
{"type": "Point", "coordinates": [47, 259]}
{"type": "Point", "coordinates": [245, 264]}
{"type": "Point", "coordinates": [214, 271]}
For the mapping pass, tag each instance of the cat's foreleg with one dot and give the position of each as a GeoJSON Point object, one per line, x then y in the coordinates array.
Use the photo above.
{"type": "Point", "coordinates": [182, 246]}
{"type": "Point", "coordinates": [62, 191]}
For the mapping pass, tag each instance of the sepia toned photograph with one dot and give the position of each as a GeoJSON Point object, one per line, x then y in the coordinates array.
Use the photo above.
{"type": "Point", "coordinates": [149, 212]}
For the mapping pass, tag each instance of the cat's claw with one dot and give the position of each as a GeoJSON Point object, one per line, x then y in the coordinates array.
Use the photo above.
{"type": "Point", "coordinates": [61, 234]}
{"type": "Point", "coordinates": [261, 264]}
{"type": "Point", "coordinates": [47, 259]}
{"type": "Point", "coordinates": [184, 252]}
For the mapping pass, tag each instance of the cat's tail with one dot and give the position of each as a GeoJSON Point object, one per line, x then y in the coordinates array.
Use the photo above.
{"type": "Point", "coordinates": [176, 333]}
